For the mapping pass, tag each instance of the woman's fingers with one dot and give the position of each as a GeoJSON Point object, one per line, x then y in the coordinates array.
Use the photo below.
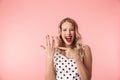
{"type": "Point", "coordinates": [42, 46]}
{"type": "Point", "coordinates": [50, 44]}
{"type": "Point", "coordinates": [53, 43]}
{"type": "Point", "coordinates": [62, 48]}
{"type": "Point", "coordinates": [48, 41]}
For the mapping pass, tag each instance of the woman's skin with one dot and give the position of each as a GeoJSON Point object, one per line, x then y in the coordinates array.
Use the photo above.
{"type": "Point", "coordinates": [68, 36]}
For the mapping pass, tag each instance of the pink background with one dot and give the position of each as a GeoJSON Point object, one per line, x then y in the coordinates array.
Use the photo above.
{"type": "Point", "coordinates": [25, 23]}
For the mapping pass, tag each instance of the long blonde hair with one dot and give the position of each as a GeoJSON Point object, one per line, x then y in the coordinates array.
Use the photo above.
{"type": "Point", "coordinates": [77, 41]}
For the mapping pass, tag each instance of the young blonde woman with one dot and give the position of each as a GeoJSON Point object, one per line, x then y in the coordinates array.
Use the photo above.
{"type": "Point", "coordinates": [70, 60]}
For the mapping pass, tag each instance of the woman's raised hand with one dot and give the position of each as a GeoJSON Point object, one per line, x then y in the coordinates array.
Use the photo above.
{"type": "Point", "coordinates": [50, 47]}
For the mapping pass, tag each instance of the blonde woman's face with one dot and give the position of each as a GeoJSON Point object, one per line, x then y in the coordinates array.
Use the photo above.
{"type": "Point", "coordinates": [68, 33]}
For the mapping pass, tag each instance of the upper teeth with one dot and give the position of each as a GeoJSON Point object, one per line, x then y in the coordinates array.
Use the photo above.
{"type": "Point", "coordinates": [68, 37]}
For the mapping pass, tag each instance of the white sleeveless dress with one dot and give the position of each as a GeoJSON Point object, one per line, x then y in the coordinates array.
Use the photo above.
{"type": "Point", "coordinates": [65, 68]}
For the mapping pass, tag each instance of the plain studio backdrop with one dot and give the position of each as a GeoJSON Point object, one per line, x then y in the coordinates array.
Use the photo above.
{"type": "Point", "coordinates": [25, 23]}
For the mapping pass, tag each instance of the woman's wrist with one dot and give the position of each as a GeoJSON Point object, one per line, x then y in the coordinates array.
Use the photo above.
{"type": "Point", "coordinates": [49, 60]}
{"type": "Point", "coordinates": [49, 57]}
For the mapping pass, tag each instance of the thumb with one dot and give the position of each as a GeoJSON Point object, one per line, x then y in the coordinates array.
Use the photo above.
{"type": "Point", "coordinates": [42, 46]}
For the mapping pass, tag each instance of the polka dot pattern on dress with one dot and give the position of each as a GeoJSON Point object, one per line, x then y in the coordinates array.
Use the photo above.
{"type": "Point", "coordinates": [65, 68]}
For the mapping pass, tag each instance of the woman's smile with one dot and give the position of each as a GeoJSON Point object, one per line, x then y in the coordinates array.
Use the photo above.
{"type": "Point", "coordinates": [68, 39]}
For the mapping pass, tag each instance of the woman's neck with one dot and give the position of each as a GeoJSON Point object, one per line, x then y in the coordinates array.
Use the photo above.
{"type": "Point", "coordinates": [69, 47]}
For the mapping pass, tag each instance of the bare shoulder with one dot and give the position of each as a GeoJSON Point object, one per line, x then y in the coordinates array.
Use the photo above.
{"type": "Point", "coordinates": [87, 55]}
{"type": "Point", "coordinates": [87, 49]}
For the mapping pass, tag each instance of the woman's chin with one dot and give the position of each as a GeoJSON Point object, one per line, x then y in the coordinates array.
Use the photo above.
{"type": "Point", "coordinates": [68, 44]}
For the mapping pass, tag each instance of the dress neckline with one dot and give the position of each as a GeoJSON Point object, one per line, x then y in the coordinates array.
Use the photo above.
{"type": "Point", "coordinates": [64, 56]}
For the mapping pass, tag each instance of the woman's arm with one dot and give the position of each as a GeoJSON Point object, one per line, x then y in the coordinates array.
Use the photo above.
{"type": "Point", "coordinates": [50, 72]}
{"type": "Point", "coordinates": [85, 68]}
{"type": "Point", "coordinates": [50, 50]}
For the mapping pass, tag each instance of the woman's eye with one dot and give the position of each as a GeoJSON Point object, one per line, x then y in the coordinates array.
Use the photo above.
{"type": "Point", "coordinates": [69, 30]}
{"type": "Point", "coordinates": [72, 30]}
{"type": "Point", "coordinates": [64, 29]}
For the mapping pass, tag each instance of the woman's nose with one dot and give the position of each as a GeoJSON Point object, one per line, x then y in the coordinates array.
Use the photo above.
{"type": "Point", "coordinates": [68, 32]}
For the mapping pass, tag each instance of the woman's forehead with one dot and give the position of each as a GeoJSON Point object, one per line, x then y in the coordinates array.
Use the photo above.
{"type": "Point", "coordinates": [67, 25]}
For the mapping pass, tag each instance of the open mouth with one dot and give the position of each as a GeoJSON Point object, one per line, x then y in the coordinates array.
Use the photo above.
{"type": "Point", "coordinates": [68, 38]}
